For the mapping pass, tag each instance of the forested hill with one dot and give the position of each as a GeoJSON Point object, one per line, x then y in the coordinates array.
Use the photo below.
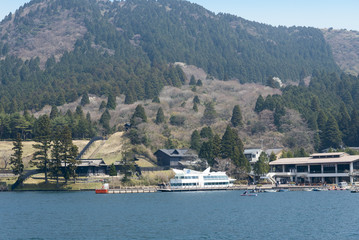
{"type": "Point", "coordinates": [74, 47]}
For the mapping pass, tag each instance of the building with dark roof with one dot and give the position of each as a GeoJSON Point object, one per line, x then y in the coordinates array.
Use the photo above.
{"type": "Point", "coordinates": [172, 157]}
{"type": "Point", "coordinates": [90, 167]}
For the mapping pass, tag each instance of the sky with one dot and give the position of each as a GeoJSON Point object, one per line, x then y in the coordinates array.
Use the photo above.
{"type": "Point", "coordinates": [339, 14]}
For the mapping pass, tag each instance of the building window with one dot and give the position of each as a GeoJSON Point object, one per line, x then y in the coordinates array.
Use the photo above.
{"type": "Point", "coordinates": [356, 165]}
{"type": "Point", "coordinates": [315, 169]}
{"type": "Point", "coordinates": [289, 168]}
{"type": "Point", "coordinates": [278, 168]}
{"type": "Point", "coordinates": [302, 168]}
{"type": "Point", "coordinates": [343, 168]}
{"type": "Point", "coordinates": [329, 168]}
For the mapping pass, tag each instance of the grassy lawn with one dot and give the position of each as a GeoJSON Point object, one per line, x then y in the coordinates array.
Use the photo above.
{"type": "Point", "coordinates": [144, 163]}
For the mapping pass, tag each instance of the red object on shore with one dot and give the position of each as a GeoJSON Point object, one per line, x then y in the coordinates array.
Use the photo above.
{"type": "Point", "coordinates": [102, 190]}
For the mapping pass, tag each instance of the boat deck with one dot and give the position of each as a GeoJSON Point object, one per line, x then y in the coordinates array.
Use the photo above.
{"type": "Point", "coordinates": [201, 189]}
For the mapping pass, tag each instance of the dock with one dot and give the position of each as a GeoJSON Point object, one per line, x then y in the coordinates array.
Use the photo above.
{"type": "Point", "coordinates": [132, 190]}
{"type": "Point", "coordinates": [153, 189]}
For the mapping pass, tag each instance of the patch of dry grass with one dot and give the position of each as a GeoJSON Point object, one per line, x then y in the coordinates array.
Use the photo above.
{"type": "Point", "coordinates": [28, 150]}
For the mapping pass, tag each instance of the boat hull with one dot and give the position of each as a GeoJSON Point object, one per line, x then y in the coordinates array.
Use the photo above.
{"type": "Point", "coordinates": [249, 195]}
{"type": "Point", "coordinates": [101, 191]}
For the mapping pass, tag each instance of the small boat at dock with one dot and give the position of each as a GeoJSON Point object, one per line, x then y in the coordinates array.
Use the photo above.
{"type": "Point", "coordinates": [283, 190]}
{"type": "Point", "coordinates": [103, 190]}
{"type": "Point", "coordinates": [269, 190]}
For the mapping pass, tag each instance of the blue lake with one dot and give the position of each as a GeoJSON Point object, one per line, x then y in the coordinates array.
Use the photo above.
{"type": "Point", "coordinates": [186, 215]}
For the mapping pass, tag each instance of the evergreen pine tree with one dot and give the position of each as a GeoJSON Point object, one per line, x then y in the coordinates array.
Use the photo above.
{"type": "Point", "coordinates": [269, 103]}
{"type": "Point", "coordinates": [156, 99]}
{"type": "Point", "coordinates": [196, 100]}
{"type": "Point", "coordinates": [216, 147]}
{"type": "Point", "coordinates": [192, 81]}
{"type": "Point", "coordinates": [105, 120]}
{"type": "Point", "coordinates": [160, 116]}
{"type": "Point", "coordinates": [344, 123]}
{"type": "Point", "coordinates": [199, 83]}
{"type": "Point", "coordinates": [16, 162]}
{"type": "Point", "coordinates": [322, 120]}
{"type": "Point", "coordinates": [314, 106]}
{"type": "Point", "coordinates": [317, 142]}
{"type": "Point", "coordinates": [332, 135]}
{"type": "Point", "coordinates": [60, 100]}
{"type": "Point", "coordinates": [102, 105]}
{"type": "Point", "coordinates": [259, 104]}
{"type": "Point", "coordinates": [85, 99]}
{"type": "Point", "coordinates": [209, 114]}
{"type": "Point", "coordinates": [227, 143]}
{"type": "Point", "coordinates": [261, 167]}
{"type": "Point", "coordinates": [79, 112]}
{"type": "Point", "coordinates": [111, 101]}
{"type": "Point", "coordinates": [54, 112]}
{"type": "Point", "coordinates": [129, 98]}
{"type": "Point", "coordinates": [42, 132]}
{"type": "Point", "coordinates": [69, 154]}
{"type": "Point", "coordinates": [206, 152]}
{"type": "Point", "coordinates": [138, 116]}
{"type": "Point", "coordinates": [113, 171]}
{"type": "Point", "coordinates": [236, 119]}
{"type": "Point", "coordinates": [206, 132]}
{"type": "Point", "coordinates": [279, 112]}
{"type": "Point", "coordinates": [195, 141]}
{"type": "Point", "coordinates": [55, 162]}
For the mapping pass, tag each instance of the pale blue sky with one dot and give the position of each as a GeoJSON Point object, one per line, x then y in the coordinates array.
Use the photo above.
{"type": "Point", "coordinates": [339, 14]}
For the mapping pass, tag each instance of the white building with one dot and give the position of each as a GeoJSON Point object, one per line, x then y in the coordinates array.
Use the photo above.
{"type": "Point", "coordinates": [252, 155]}
{"type": "Point", "coordinates": [318, 168]}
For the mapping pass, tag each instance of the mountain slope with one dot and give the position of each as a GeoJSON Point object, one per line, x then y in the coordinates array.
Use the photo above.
{"type": "Point", "coordinates": [168, 30]}
{"type": "Point", "coordinates": [345, 46]}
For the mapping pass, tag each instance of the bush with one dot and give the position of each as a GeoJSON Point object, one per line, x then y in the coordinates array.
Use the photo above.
{"type": "Point", "coordinates": [177, 120]}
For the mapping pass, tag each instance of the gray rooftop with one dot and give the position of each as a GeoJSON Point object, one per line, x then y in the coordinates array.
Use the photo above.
{"type": "Point", "coordinates": [176, 152]}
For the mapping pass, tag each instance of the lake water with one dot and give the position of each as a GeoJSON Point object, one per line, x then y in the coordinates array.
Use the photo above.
{"type": "Point", "coordinates": [185, 215]}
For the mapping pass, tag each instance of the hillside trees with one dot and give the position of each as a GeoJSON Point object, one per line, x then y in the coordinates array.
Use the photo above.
{"type": "Point", "coordinates": [230, 146]}
{"type": "Point", "coordinates": [209, 114]}
{"type": "Point", "coordinates": [85, 99]}
{"type": "Point", "coordinates": [160, 117]}
{"type": "Point", "coordinates": [236, 119]}
{"type": "Point", "coordinates": [68, 153]}
{"type": "Point", "coordinates": [195, 141]}
{"type": "Point", "coordinates": [138, 116]}
{"type": "Point", "coordinates": [111, 101]}
{"type": "Point", "coordinates": [261, 167]}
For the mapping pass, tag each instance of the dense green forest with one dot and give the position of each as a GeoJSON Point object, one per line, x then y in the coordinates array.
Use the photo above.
{"type": "Point", "coordinates": [129, 44]}
{"type": "Point", "coordinates": [328, 104]}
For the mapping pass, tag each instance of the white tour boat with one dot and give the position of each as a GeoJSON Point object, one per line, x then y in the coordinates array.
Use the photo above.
{"type": "Point", "coordinates": [191, 180]}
